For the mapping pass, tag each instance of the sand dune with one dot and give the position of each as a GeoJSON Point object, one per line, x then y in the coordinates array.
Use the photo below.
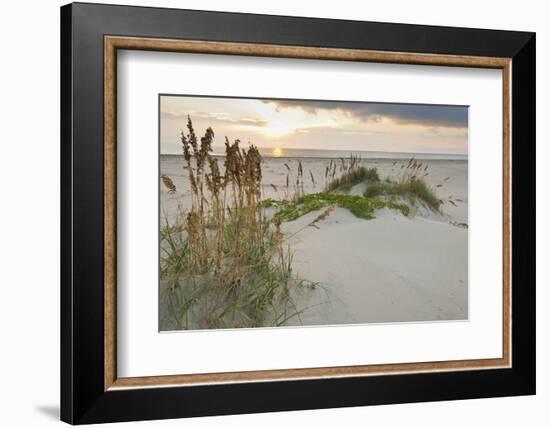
{"type": "Point", "coordinates": [389, 269]}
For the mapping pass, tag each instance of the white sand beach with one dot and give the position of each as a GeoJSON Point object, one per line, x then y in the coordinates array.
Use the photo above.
{"type": "Point", "coordinates": [389, 269]}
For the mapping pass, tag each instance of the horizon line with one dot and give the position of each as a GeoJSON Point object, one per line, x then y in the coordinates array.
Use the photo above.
{"type": "Point", "coordinates": [340, 150]}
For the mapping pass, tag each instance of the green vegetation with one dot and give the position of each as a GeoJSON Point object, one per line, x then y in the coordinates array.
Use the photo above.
{"type": "Point", "coordinates": [410, 185]}
{"type": "Point", "coordinates": [459, 224]}
{"type": "Point", "coordinates": [340, 177]}
{"type": "Point", "coordinates": [352, 177]}
{"type": "Point", "coordinates": [413, 189]}
{"type": "Point", "coordinates": [251, 288]}
{"type": "Point", "coordinates": [360, 206]}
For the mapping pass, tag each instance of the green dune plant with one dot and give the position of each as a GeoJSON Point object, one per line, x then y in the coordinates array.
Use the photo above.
{"type": "Point", "coordinates": [410, 185]}
{"type": "Point", "coordinates": [351, 172]}
{"type": "Point", "coordinates": [360, 206]}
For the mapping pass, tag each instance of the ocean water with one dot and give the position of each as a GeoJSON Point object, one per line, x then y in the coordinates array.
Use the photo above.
{"type": "Point", "coordinates": [276, 152]}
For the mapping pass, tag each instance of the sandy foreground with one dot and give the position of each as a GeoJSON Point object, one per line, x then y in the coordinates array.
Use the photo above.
{"type": "Point", "coordinates": [390, 269]}
{"type": "Point", "coordinates": [384, 270]}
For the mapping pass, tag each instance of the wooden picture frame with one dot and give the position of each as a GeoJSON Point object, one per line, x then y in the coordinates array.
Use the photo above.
{"type": "Point", "coordinates": [91, 390]}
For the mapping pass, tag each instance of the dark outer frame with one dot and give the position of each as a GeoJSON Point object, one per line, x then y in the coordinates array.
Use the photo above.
{"type": "Point", "coordinates": [83, 396]}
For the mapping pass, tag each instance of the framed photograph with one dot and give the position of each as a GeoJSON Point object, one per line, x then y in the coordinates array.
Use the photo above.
{"type": "Point", "coordinates": [265, 213]}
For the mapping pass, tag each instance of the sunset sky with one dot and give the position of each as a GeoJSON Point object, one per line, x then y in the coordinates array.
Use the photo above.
{"type": "Point", "coordinates": [332, 125]}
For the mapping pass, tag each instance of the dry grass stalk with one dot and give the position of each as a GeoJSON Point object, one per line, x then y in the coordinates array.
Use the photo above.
{"type": "Point", "coordinates": [322, 217]}
{"type": "Point", "coordinates": [170, 186]}
{"type": "Point", "coordinates": [219, 261]}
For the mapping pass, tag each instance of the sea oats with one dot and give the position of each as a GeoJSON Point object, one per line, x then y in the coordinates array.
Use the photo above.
{"type": "Point", "coordinates": [169, 184]}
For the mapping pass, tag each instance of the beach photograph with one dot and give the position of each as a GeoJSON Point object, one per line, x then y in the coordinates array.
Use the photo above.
{"type": "Point", "coordinates": [287, 212]}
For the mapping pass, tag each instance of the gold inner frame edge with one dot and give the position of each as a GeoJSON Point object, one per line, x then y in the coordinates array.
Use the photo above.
{"type": "Point", "coordinates": [113, 43]}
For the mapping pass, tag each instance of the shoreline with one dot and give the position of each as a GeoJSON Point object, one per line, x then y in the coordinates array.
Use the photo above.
{"type": "Point", "coordinates": [338, 158]}
{"type": "Point", "coordinates": [267, 153]}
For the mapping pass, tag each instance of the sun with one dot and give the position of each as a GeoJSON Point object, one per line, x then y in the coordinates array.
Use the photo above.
{"type": "Point", "coordinates": [276, 152]}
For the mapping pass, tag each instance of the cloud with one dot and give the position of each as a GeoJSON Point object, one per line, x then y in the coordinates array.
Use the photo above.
{"type": "Point", "coordinates": [214, 117]}
{"type": "Point", "coordinates": [414, 114]}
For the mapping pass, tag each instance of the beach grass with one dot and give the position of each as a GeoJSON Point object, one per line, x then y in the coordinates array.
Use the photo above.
{"type": "Point", "coordinates": [413, 189]}
{"type": "Point", "coordinates": [410, 184]}
{"type": "Point", "coordinates": [223, 263]}
{"type": "Point", "coordinates": [351, 177]}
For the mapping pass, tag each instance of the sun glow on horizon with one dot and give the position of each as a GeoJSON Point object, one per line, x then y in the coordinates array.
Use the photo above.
{"type": "Point", "coordinates": [276, 152]}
